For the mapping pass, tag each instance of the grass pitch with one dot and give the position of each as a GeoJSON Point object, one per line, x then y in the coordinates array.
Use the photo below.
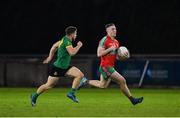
{"type": "Point", "coordinates": [93, 102]}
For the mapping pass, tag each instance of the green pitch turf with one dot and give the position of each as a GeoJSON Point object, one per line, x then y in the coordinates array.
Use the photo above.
{"type": "Point", "coordinates": [93, 102]}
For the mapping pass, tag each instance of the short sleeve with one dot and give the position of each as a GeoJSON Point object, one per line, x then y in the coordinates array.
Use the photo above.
{"type": "Point", "coordinates": [102, 42]}
{"type": "Point", "coordinates": [68, 44]}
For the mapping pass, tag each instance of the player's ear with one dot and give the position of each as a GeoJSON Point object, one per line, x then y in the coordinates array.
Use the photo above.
{"type": "Point", "coordinates": [106, 29]}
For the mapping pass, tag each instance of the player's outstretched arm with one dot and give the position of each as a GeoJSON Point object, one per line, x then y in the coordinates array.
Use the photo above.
{"type": "Point", "coordinates": [73, 50]}
{"type": "Point", "coordinates": [51, 53]}
{"type": "Point", "coordinates": [102, 51]}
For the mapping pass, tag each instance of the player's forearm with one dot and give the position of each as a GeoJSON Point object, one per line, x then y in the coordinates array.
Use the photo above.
{"type": "Point", "coordinates": [104, 52]}
{"type": "Point", "coordinates": [75, 50]}
{"type": "Point", "coordinates": [52, 52]}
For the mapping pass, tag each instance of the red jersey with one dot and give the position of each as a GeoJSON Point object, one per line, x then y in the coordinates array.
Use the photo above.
{"type": "Point", "coordinates": [109, 59]}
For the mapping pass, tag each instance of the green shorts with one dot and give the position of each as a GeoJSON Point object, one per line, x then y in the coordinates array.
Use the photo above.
{"type": "Point", "coordinates": [106, 71]}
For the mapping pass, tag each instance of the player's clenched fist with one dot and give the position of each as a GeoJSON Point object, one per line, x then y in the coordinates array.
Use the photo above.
{"type": "Point", "coordinates": [80, 44]}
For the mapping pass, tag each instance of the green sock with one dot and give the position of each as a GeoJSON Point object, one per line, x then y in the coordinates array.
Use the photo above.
{"type": "Point", "coordinates": [72, 91]}
{"type": "Point", "coordinates": [36, 95]}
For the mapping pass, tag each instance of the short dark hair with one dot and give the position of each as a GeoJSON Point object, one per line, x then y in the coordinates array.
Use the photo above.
{"type": "Point", "coordinates": [70, 30]}
{"type": "Point", "coordinates": [109, 24]}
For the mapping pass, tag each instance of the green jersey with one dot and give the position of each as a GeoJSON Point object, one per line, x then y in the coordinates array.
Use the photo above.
{"type": "Point", "coordinates": [63, 58]}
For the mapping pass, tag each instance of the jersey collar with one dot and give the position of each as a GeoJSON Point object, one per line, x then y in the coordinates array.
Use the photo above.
{"type": "Point", "coordinates": [68, 38]}
{"type": "Point", "coordinates": [109, 37]}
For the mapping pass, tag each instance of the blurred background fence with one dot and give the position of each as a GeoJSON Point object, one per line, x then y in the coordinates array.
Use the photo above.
{"type": "Point", "coordinates": [140, 70]}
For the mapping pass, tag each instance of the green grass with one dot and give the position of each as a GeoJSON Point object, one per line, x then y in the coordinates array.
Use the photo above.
{"type": "Point", "coordinates": [93, 102]}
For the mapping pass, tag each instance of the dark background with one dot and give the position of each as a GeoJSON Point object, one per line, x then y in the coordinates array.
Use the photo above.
{"type": "Point", "coordinates": [144, 26]}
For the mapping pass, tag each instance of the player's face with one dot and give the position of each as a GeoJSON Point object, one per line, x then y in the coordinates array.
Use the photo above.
{"type": "Point", "coordinates": [112, 31]}
{"type": "Point", "coordinates": [74, 35]}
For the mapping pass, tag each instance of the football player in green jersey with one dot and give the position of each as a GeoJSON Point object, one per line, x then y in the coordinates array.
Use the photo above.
{"type": "Point", "coordinates": [61, 66]}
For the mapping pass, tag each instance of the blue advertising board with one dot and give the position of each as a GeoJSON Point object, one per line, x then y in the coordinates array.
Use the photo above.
{"type": "Point", "coordinates": [159, 72]}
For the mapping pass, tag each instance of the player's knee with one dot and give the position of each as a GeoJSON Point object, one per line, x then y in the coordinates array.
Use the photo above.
{"type": "Point", "coordinates": [80, 75]}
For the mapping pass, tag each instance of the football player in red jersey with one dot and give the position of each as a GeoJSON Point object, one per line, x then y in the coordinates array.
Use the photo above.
{"type": "Point", "coordinates": [107, 52]}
